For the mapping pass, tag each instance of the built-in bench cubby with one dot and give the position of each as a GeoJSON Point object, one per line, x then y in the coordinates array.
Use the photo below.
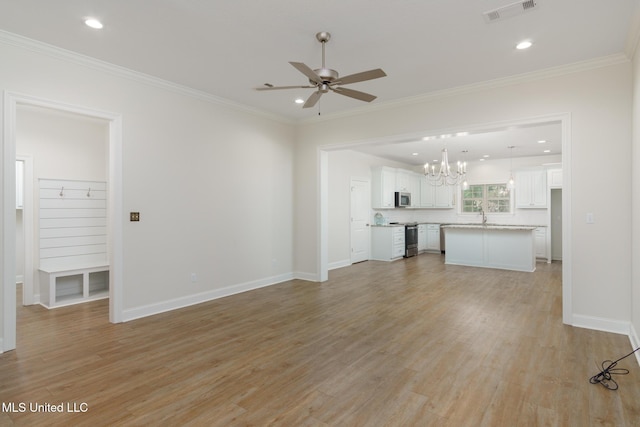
{"type": "Point", "coordinates": [72, 286]}
{"type": "Point", "coordinates": [73, 258]}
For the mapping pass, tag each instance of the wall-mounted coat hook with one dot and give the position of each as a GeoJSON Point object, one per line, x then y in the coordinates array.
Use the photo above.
{"type": "Point", "coordinates": [62, 192]}
{"type": "Point", "coordinates": [89, 192]}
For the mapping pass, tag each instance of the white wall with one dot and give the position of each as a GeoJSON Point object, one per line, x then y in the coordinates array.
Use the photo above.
{"type": "Point", "coordinates": [344, 165]}
{"type": "Point", "coordinates": [599, 103]}
{"type": "Point", "coordinates": [213, 182]}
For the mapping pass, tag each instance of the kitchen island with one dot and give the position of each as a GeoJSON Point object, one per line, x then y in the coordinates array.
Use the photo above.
{"type": "Point", "coordinates": [507, 247]}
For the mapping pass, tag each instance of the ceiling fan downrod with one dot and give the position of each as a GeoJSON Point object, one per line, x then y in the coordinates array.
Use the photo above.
{"type": "Point", "coordinates": [323, 37]}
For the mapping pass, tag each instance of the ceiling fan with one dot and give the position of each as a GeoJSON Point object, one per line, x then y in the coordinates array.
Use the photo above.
{"type": "Point", "coordinates": [325, 79]}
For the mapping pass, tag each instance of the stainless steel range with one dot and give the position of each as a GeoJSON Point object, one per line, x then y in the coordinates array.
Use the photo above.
{"type": "Point", "coordinates": [410, 240]}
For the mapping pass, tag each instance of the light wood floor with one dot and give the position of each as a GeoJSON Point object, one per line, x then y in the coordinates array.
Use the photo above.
{"type": "Point", "coordinates": [408, 343]}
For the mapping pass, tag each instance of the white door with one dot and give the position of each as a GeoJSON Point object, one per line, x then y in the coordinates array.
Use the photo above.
{"type": "Point", "coordinates": [360, 208]}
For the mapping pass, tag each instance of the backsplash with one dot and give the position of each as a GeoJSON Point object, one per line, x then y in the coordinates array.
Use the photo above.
{"type": "Point", "coordinates": [442, 216]}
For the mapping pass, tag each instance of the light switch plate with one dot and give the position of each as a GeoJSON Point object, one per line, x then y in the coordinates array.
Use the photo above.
{"type": "Point", "coordinates": [590, 219]}
{"type": "Point", "coordinates": [134, 216]}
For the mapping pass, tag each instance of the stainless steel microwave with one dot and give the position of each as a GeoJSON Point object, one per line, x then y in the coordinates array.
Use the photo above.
{"type": "Point", "coordinates": [403, 199]}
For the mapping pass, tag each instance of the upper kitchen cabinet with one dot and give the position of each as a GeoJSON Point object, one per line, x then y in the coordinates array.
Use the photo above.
{"type": "Point", "coordinates": [554, 178]}
{"type": "Point", "coordinates": [385, 181]}
{"type": "Point", "coordinates": [383, 187]}
{"type": "Point", "coordinates": [432, 196]}
{"type": "Point", "coordinates": [403, 180]}
{"type": "Point", "coordinates": [531, 188]}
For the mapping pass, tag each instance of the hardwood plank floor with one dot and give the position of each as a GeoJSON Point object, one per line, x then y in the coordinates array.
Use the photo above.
{"type": "Point", "coordinates": [408, 343]}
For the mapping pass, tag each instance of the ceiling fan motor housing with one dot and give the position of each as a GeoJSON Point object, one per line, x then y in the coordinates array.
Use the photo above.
{"type": "Point", "coordinates": [326, 74]}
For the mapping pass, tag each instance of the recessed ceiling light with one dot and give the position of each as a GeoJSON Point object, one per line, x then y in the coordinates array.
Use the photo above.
{"type": "Point", "coordinates": [93, 23]}
{"type": "Point", "coordinates": [462, 133]}
{"type": "Point", "coordinates": [542, 141]}
{"type": "Point", "coordinates": [299, 101]}
{"type": "Point", "coordinates": [546, 151]}
{"type": "Point", "coordinates": [414, 154]}
{"type": "Point", "coordinates": [482, 160]}
{"type": "Point", "coordinates": [526, 44]}
{"type": "Point", "coordinates": [485, 156]}
{"type": "Point", "coordinates": [428, 138]}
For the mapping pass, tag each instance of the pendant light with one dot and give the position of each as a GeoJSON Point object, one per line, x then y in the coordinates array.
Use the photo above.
{"type": "Point", "coordinates": [511, 183]}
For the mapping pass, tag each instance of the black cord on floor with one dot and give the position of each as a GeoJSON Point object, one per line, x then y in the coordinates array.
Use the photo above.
{"type": "Point", "coordinates": [605, 378]}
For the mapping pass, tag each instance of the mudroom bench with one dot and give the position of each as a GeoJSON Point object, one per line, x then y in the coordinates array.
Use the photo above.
{"type": "Point", "coordinates": [72, 285]}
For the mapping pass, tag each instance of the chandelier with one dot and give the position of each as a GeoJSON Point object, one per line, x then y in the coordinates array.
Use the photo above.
{"type": "Point", "coordinates": [445, 176]}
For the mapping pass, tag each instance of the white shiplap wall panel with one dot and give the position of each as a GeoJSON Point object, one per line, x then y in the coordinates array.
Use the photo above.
{"type": "Point", "coordinates": [72, 222]}
{"type": "Point", "coordinates": [51, 233]}
{"type": "Point", "coordinates": [73, 219]}
{"type": "Point", "coordinates": [62, 213]}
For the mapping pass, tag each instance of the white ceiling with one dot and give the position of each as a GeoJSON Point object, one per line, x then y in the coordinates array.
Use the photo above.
{"type": "Point", "coordinates": [488, 144]}
{"type": "Point", "coordinates": [228, 48]}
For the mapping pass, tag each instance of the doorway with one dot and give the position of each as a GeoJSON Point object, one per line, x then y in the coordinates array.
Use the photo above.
{"type": "Point", "coordinates": [13, 103]}
{"type": "Point", "coordinates": [565, 122]}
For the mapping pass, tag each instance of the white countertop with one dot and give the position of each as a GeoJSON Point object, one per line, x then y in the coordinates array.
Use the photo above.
{"type": "Point", "coordinates": [492, 226]}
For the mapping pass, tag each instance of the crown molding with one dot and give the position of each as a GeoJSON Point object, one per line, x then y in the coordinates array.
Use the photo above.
{"type": "Point", "coordinates": [12, 39]}
{"type": "Point", "coordinates": [575, 67]}
{"type": "Point", "coordinates": [39, 47]}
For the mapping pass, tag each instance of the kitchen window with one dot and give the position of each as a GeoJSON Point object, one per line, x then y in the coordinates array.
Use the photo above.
{"type": "Point", "coordinates": [492, 198]}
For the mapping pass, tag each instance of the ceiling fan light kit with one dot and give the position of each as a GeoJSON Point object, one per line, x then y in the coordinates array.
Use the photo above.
{"type": "Point", "coordinates": [326, 79]}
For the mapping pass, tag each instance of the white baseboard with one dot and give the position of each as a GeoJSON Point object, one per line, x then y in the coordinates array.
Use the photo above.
{"type": "Point", "coordinates": [602, 324]}
{"type": "Point", "coordinates": [635, 342]}
{"type": "Point", "coordinates": [311, 277]}
{"type": "Point", "coordinates": [1, 346]}
{"type": "Point", "coordinates": [174, 304]}
{"type": "Point", "coordinates": [339, 264]}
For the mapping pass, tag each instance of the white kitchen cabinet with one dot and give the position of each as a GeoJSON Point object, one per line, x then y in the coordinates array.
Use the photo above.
{"type": "Point", "coordinates": [433, 237]}
{"type": "Point", "coordinates": [427, 194]}
{"type": "Point", "coordinates": [531, 189]}
{"type": "Point", "coordinates": [541, 242]}
{"type": "Point", "coordinates": [403, 180]}
{"type": "Point", "coordinates": [387, 243]}
{"type": "Point", "coordinates": [432, 196]}
{"type": "Point", "coordinates": [554, 178]}
{"type": "Point", "coordinates": [383, 187]}
{"type": "Point", "coordinates": [422, 237]}
{"type": "Point", "coordinates": [385, 181]}
{"type": "Point", "coordinates": [444, 196]}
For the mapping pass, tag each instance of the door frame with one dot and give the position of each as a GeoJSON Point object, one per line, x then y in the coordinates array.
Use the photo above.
{"type": "Point", "coordinates": [11, 101]}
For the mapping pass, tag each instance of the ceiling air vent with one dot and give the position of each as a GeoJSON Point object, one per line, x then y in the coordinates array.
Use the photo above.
{"type": "Point", "coordinates": [510, 10]}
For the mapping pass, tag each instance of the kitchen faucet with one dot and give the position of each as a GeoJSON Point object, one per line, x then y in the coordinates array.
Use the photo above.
{"type": "Point", "coordinates": [484, 216]}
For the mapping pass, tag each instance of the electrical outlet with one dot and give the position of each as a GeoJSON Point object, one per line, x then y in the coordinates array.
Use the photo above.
{"type": "Point", "coordinates": [134, 216]}
{"type": "Point", "coordinates": [194, 277]}
{"type": "Point", "coordinates": [590, 219]}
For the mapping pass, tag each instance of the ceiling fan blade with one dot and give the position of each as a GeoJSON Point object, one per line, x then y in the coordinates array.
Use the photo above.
{"type": "Point", "coordinates": [284, 87]}
{"type": "Point", "coordinates": [354, 94]}
{"type": "Point", "coordinates": [304, 69]}
{"type": "Point", "coordinates": [313, 99]}
{"type": "Point", "coordinates": [361, 77]}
